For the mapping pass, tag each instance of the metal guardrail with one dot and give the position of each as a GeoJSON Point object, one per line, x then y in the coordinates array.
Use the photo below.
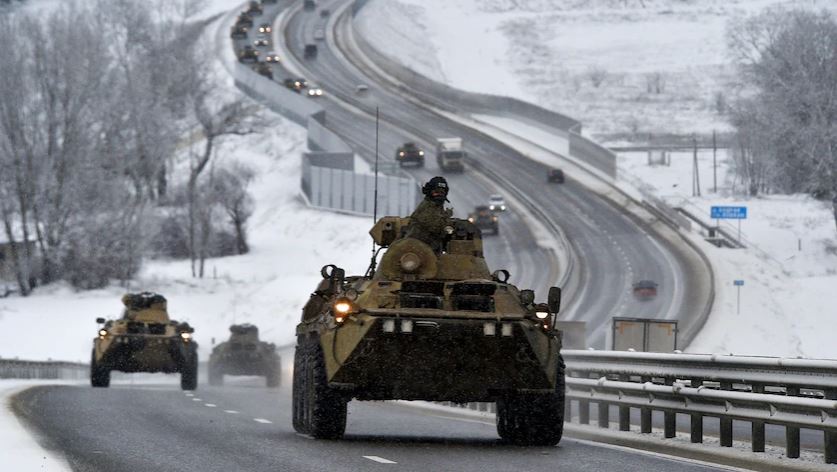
{"type": "Point", "coordinates": [793, 393]}
{"type": "Point", "coordinates": [21, 369]}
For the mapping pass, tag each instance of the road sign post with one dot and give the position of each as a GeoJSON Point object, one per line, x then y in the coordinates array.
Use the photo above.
{"type": "Point", "coordinates": [729, 213]}
{"type": "Point", "coordinates": [738, 284]}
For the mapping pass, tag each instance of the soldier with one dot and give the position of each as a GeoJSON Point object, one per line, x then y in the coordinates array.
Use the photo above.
{"type": "Point", "coordinates": [428, 221]}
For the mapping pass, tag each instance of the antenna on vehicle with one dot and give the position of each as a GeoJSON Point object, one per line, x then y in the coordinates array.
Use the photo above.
{"type": "Point", "coordinates": [373, 263]}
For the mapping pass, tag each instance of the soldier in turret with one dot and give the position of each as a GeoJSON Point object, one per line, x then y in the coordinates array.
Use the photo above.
{"type": "Point", "coordinates": [429, 220]}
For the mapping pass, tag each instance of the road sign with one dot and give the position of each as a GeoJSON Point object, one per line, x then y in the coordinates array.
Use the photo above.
{"type": "Point", "coordinates": [738, 283]}
{"type": "Point", "coordinates": [729, 212]}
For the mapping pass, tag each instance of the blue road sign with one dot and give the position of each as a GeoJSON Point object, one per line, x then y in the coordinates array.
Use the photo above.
{"type": "Point", "coordinates": [738, 283]}
{"type": "Point", "coordinates": [729, 212]}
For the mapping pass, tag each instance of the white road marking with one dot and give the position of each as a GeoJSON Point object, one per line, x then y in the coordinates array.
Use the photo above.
{"type": "Point", "coordinates": [190, 394]}
{"type": "Point", "coordinates": [379, 459]}
{"type": "Point", "coordinates": [210, 405]}
{"type": "Point", "coordinates": [304, 436]}
{"type": "Point", "coordinates": [262, 420]}
{"type": "Point", "coordinates": [232, 412]}
{"type": "Point", "coordinates": [197, 400]}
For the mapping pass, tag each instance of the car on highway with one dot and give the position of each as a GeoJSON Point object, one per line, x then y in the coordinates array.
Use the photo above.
{"type": "Point", "coordinates": [248, 54]}
{"type": "Point", "coordinates": [261, 41]}
{"type": "Point", "coordinates": [314, 92]}
{"type": "Point", "coordinates": [309, 5]}
{"type": "Point", "coordinates": [263, 69]}
{"type": "Point", "coordinates": [496, 202]}
{"type": "Point", "coordinates": [325, 12]}
{"type": "Point", "coordinates": [361, 89]}
{"type": "Point", "coordinates": [265, 28]}
{"type": "Point", "coordinates": [144, 339]}
{"type": "Point", "coordinates": [319, 34]}
{"type": "Point", "coordinates": [555, 176]}
{"type": "Point", "coordinates": [645, 289]}
{"type": "Point", "coordinates": [271, 57]}
{"type": "Point", "coordinates": [409, 152]}
{"type": "Point", "coordinates": [485, 219]}
{"type": "Point", "coordinates": [310, 51]}
{"type": "Point", "coordinates": [295, 84]}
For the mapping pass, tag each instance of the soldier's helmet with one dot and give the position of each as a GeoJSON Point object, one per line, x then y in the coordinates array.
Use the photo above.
{"type": "Point", "coordinates": [436, 188]}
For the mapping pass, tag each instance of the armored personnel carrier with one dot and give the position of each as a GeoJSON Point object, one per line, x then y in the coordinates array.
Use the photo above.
{"type": "Point", "coordinates": [428, 326]}
{"type": "Point", "coordinates": [144, 339]}
{"type": "Point", "coordinates": [244, 354]}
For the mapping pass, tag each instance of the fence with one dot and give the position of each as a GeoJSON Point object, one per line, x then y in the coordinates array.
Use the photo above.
{"type": "Point", "coordinates": [793, 393]}
{"type": "Point", "coordinates": [18, 369]}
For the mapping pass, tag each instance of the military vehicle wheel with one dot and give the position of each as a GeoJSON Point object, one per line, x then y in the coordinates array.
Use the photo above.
{"type": "Point", "coordinates": [323, 409]}
{"type": "Point", "coordinates": [533, 420]}
{"type": "Point", "coordinates": [300, 421]}
{"type": "Point", "coordinates": [216, 376]}
{"type": "Point", "coordinates": [99, 375]}
{"type": "Point", "coordinates": [189, 372]}
{"type": "Point", "coordinates": [272, 377]}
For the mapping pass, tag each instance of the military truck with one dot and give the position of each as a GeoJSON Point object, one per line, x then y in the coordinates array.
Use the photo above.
{"type": "Point", "coordinates": [238, 31]}
{"type": "Point", "coordinates": [144, 339]}
{"type": "Point", "coordinates": [409, 152]}
{"type": "Point", "coordinates": [429, 326]}
{"type": "Point", "coordinates": [244, 354]}
{"type": "Point", "coordinates": [248, 54]}
{"type": "Point", "coordinates": [485, 219]}
{"type": "Point", "coordinates": [450, 154]}
{"type": "Point", "coordinates": [264, 70]}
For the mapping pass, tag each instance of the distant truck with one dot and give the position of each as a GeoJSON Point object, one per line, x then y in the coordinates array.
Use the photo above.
{"type": "Point", "coordinates": [450, 155]}
{"type": "Point", "coordinates": [310, 51]}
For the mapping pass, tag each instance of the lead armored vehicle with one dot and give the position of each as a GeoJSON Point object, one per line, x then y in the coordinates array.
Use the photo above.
{"type": "Point", "coordinates": [244, 354]}
{"type": "Point", "coordinates": [428, 326]}
{"type": "Point", "coordinates": [144, 339]}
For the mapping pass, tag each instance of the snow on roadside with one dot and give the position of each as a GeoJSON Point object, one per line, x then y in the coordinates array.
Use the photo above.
{"type": "Point", "coordinates": [20, 450]}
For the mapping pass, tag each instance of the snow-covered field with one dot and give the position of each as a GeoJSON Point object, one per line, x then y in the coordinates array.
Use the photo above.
{"type": "Point", "coordinates": [549, 51]}
{"type": "Point", "coordinates": [622, 67]}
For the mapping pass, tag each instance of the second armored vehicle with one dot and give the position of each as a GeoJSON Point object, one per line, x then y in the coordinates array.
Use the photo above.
{"type": "Point", "coordinates": [429, 326]}
{"type": "Point", "coordinates": [145, 339]}
{"type": "Point", "coordinates": [244, 354]}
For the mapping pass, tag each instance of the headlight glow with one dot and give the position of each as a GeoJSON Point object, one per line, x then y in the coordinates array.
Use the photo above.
{"type": "Point", "coordinates": [103, 332]}
{"type": "Point", "coordinates": [542, 315]}
{"type": "Point", "coordinates": [471, 219]}
{"type": "Point", "coordinates": [186, 336]}
{"type": "Point", "coordinates": [342, 307]}
{"type": "Point", "coordinates": [421, 153]}
{"type": "Point", "coordinates": [401, 153]}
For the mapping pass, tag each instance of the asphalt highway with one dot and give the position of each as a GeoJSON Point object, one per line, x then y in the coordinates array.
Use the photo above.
{"type": "Point", "coordinates": [244, 426]}
{"type": "Point", "coordinates": [613, 249]}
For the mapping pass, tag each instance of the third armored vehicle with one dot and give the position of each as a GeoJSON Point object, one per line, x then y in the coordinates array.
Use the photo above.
{"type": "Point", "coordinates": [244, 354]}
{"type": "Point", "coordinates": [484, 219]}
{"type": "Point", "coordinates": [429, 326]}
{"type": "Point", "coordinates": [145, 339]}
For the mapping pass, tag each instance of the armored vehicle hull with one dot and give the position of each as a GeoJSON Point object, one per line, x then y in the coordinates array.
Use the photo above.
{"type": "Point", "coordinates": [244, 354]}
{"type": "Point", "coordinates": [144, 340]}
{"type": "Point", "coordinates": [427, 326]}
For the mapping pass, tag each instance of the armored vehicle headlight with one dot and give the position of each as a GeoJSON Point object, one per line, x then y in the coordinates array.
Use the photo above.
{"type": "Point", "coordinates": [449, 229]}
{"type": "Point", "coordinates": [401, 153]}
{"type": "Point", "coordinates": [542, 315]}
{"type": "Point", "coordinates": [103, 332]}
{"type": "Point", "coordinates": [471, 219]}
{"type": "Point", "coordinates": [421, 153]}
{"type": "Point", "coordinates": [186, 336]}
{"type": "Point", "coordinates": [342, 307]}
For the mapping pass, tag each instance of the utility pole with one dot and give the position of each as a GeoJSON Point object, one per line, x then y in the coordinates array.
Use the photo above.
{"type": "Point", "coordinates": [714, 163]}
{"type": "Point", "coordinates": [695, 170]}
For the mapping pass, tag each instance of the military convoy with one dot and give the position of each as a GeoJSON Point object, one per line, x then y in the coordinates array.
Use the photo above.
{"type": "Point", "coordinates": [144, 339]}
{"type": "Point", "coordinates": [244, 354]}
{"type": "Point", "coordinates": [429, 326]}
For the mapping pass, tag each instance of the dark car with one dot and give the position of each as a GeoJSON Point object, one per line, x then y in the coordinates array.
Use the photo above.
{"type": "Point", "coordinates": [310, 51]}
{"type": "Point", "coordinates": [295, 84]}
{"type": "Point", "coordinates": [264, 69]}
{"type": "Point", "coordinates": [248, 54]}
{"type": "Point", "coordinates": [410, 152]}
{"type": "Point", "coordinates": [645, 289]}
{"type": "Point", "coordinates": [265, 28]}
{"type": "Point", "coordinates": [309, 4]}
{"type": "Point", "coordinates": [325, 12]}
{"type": "Point", "coordinates": [485, 219]}
{"type": "Point", "coordinates": [555, 175]}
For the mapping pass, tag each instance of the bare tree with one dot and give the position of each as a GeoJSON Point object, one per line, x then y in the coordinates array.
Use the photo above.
{"type": "Point", "coordinates": [230, 188]}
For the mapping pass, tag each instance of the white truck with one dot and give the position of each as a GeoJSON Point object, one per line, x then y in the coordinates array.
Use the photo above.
{"type": "Point", "coordinates": [450, 155]}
